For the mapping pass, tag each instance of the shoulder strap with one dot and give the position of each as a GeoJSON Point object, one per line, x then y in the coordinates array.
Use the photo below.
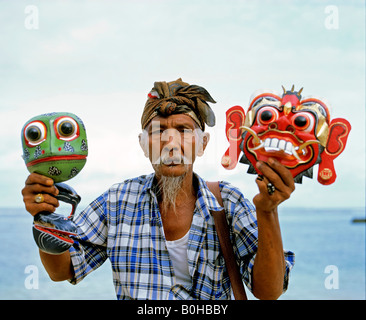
{"type": "Point", "coordinates": [215, 189]}
{"type": "Point", "coordinates": [222, 229]}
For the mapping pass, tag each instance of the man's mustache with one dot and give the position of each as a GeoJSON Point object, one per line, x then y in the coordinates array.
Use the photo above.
{"type": "Point", "coordinates": [166, 159]}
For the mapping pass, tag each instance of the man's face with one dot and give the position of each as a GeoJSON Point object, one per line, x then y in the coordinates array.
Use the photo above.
{"type": "Point", "coordinates": [173, 144]}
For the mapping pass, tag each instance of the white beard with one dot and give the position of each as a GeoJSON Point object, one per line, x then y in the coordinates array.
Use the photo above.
{"type": "Point", "coordinates": [168, 188]}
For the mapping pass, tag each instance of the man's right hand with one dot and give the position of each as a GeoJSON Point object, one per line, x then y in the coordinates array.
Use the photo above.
{"type": "Point", "coordinates": [34, 185]}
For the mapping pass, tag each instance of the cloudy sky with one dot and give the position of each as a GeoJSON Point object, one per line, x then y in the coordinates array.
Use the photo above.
{"type": "Point", "coordinates": [99, 59]}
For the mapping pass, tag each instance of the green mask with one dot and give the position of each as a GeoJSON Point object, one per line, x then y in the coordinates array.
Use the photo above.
{"type": "Point", "coordinates": [55, 145]}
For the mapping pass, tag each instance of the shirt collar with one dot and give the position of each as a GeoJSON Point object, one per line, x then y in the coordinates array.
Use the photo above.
{"type": "Point", "coordinates": [148, 184]}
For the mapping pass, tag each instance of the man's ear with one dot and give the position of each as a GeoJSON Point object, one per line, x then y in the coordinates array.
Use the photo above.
{"type": "Point", "coordinates": [144, 143]}
{"type": "Point", "coordinates": [204, 139]}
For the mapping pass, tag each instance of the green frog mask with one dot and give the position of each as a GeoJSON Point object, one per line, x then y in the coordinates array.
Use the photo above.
{"type": "Point", "coordinates": [55, 145]}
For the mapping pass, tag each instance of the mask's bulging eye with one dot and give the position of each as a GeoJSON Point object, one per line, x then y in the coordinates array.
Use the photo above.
{"type": "Point", "coordinates": [303, 121]}
{"type": "Point", "coordinates": [66, 128]}
{"type": "Point", "coordinates": [35, 133]}
{"type": "Point", "coordinates": [266, 115]}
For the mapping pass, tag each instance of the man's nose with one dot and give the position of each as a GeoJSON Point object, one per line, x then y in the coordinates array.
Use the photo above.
{"type": "Point", "coordinates": [171, 139]}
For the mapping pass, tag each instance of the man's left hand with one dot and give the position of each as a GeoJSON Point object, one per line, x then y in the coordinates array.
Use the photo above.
{"type": "Point", "coordinates": [273, 172]}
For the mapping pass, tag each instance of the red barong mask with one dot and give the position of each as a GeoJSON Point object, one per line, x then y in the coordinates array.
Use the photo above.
{"type": "Point", "coordinates": [299, 133]}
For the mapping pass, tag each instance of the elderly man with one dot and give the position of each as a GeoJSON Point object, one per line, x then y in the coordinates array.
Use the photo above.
{"type": "Point", "coordinates": [157, 230]}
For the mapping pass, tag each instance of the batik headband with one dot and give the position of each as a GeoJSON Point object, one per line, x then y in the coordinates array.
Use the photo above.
{"type": "Point", "coordinates": [176, 97]}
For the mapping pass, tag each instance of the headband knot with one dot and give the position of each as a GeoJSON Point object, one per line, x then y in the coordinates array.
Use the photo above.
{"type": "Point", "coordinates": [167, 98]}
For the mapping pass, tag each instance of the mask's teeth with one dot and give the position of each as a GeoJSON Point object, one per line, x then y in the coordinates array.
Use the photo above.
{"type": "Point", "coordinates": [277, 145]}
{"type": "Point", "coordinates": [282, 144]}
{"type": "Point", "coordinates": [267, 142]}
{"type": "Point", "coordinates": [289, 147]}
{"type": "Point", "coordinates": [274, 144]}
{"type": "Point", "coordinates": [294, 153]}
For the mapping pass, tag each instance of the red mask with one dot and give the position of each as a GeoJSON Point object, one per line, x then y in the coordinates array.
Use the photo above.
{"type": "Point", "coordinates": [298, 133]}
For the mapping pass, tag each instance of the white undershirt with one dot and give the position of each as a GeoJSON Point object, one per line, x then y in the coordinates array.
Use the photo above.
{"type": "Point", "coordinates": [178, 254]}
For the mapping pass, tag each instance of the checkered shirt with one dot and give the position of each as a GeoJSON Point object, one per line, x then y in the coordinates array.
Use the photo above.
{"type": "Point", "coordinates": [124, 225]}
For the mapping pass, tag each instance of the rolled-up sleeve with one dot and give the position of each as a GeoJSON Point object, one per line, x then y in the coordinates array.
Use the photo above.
{"type": "Point", "coordinates": [245, 232]}
{"type": "Point", "coordinates": [248, 268]}
{"type": "Point", "coordinates": [89, 250]}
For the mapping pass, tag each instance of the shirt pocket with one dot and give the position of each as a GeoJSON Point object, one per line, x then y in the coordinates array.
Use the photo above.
{"type": "Point", "coordinates": [213, 278]}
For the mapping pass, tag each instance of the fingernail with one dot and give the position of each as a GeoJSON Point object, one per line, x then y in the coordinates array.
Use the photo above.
{"type": "Point", "coordinates": [271, 161]}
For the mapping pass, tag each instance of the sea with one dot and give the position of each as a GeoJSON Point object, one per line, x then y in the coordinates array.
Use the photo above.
{"type": "Point", "coordinates": [329, 248]}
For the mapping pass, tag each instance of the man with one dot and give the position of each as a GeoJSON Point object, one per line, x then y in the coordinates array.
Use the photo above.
{"type": "Point", "coordinates": [157, 229]}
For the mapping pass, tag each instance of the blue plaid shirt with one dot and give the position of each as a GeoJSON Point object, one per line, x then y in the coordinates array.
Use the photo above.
{"type": "Point", "coordinates": [124, 225]}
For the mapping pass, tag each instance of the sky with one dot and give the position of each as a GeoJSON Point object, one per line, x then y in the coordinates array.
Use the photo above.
{"type": "Point", "coordinates": [99, 59]}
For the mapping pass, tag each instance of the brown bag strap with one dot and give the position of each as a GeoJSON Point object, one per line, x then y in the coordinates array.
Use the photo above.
{"type": "Point", "coordinates": [222, 229]}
